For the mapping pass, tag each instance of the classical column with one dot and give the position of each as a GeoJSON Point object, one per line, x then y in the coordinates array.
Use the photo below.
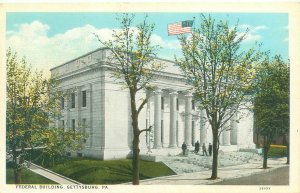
{"type": "Point", "coordinates": [157, 119]}
{"type": "Point", "coordinates": [148, 122]}
{"type": "Point", "coordinates": [173, 110]}
{"type": "Point", "coordinates": [202, 127]}
{"type": "Point", "coordinates": [188, 119]}
{"type": "Point", "coordinates": [226, 134]}
{"type": "Point", "coordinates": [233, 129]}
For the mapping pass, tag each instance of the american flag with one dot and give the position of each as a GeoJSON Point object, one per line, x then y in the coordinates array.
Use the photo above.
{"type": "Point", "coordinates": [180, 27]}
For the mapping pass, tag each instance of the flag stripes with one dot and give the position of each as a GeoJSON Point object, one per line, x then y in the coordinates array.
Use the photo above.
{"type": "Point", "coordinates": [180, 28]}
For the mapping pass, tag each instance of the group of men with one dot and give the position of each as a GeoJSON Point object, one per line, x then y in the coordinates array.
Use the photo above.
{"type": "Point", "coordinates": [197, 148]}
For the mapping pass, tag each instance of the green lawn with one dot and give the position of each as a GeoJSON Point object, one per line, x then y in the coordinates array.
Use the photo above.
{"type": "Point", "coordinates": [88, 171]}
{"type": "Point", "coordinates": [27, 177]}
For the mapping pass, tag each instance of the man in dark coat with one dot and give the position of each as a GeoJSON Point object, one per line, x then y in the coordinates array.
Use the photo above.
{"type": "Point", "coordinates": [197, 146]}
{"type": "Point", "coordinates": [183, 147]}
{"type": "Point", "coordinates": [210, 149]}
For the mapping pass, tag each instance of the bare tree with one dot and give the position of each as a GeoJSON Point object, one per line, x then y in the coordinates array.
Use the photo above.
{"type": "Point", "coordinates": [220, 71]}
{"type": "Point", "coordinates": [132, 59]}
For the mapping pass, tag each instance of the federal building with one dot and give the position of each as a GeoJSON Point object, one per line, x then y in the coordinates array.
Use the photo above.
{"type": "Point", "coordinates": [99, 106]}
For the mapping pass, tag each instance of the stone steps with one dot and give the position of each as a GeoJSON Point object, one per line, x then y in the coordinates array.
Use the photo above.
{"type": "Point", "coordinates": [197, 163]}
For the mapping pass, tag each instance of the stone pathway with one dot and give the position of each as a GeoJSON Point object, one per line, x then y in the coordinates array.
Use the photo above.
{"type": "Point", "coordinates": [51, 175]}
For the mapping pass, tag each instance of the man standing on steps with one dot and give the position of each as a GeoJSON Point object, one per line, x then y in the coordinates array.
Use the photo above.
{"type": "Point", "coordinates": [183, 147]}
{"type": "Point", "coordinates": [204, 149]}
{"type": "Point", "coordinates": [197, 147]}
{"type": "Point", "coordinates": [210, 149]}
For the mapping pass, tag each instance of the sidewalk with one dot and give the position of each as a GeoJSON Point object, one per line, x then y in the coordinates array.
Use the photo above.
{"type": "Point", "coordinates": [51, 175]}
{"type": "Point", "coordinates": [277, 177]}
{"type": "Point", "coordinates": [224, 173]}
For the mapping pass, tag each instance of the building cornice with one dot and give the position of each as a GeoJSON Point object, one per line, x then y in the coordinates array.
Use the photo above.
{"type": "Point", "coordinates": [102, 66]}
{"type": "Point", "coordinates": [98, 49]}
{"type": "Point", "coordinates": [91, 52]}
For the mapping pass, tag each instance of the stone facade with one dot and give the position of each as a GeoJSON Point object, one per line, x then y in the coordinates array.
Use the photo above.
{"type": "Point", "coordinates": [102, 105]}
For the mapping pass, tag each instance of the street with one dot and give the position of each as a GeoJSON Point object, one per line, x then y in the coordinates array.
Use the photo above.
{"type": "Point", "coordinates": [278, 176]}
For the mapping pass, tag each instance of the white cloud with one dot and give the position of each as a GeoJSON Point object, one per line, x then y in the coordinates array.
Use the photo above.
{"type": "Point", "coordinates": [258, 28]}
{"type": "Point", "coordinates": [170, 44]}
{"type": "Point", "coordinates": [244, 26]}
{"type": "Point", "coordinates": [253, 28]}
{"type": "Point", "coordinates": [252, 35]}
{"type": "Point", "coordinates": [44, 52]}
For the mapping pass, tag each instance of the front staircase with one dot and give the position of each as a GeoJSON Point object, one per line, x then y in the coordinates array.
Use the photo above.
{"type": "Point", "coordinates": [196, 162]}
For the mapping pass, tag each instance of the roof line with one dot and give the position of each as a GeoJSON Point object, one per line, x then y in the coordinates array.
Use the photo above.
{"type": "Point", "coordinates": [102, 48]}
{"type": "Point", "coordinates": [78, 57]}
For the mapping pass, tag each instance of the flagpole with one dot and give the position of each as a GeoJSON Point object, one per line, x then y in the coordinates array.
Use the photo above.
{"type": "Point", "coordinates": [194, 19]}
{"type": "Point", "coordinates": [193, 42]}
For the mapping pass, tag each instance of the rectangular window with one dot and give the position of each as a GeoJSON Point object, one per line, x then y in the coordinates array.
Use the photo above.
{"type": "Point", "coordinates": [83, 126]}
{"type": "Point", "coordinates": [73, 127]}
{"type": "Point", "coordinates": [62, 102]}
{"type": "Point", "coordinates": [193, 104]}
{"type": "Point", "coordinates": [83, 122]}
{"type": "Point", "coordinates": [73, 100]}
{"type": "Point", "coordinates": [162, 103]}
{"type": "Point", "coordinates": [177, 104]}
{"type": "Point", "coordinates": [83, 98]}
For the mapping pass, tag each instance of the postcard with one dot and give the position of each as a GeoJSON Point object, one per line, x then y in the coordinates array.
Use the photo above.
{"type": "Point", "coordinates": [153, 97]}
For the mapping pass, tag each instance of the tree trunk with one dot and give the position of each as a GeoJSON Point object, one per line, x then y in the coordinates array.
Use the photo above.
{"type": "Point", "coordinates": [267, 144]}
{"type": "Point", "coordinates": [135, 161]}
{"type": "Point", "coordinates": [265, 162]}
{"type": "Point", "coordinates": [135, 142]}
{"type": "Point", "coordinates": [287, 147]}
{"type": "Point", "coordinates": [214, 174]}
{"type": "Point", "coordinates": [17, 174]}
{"type": "Point", "coordinates": [266, 150]}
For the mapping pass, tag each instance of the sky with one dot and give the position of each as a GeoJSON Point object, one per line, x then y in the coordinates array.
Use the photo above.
{"type": "Point", "coordinates": [48, 39]}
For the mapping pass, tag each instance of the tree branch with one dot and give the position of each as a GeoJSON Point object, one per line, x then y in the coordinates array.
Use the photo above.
{"type": "Point", "coordinates": [149, 129]}
{"type": "Point", "coordinates": [142, 105]}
